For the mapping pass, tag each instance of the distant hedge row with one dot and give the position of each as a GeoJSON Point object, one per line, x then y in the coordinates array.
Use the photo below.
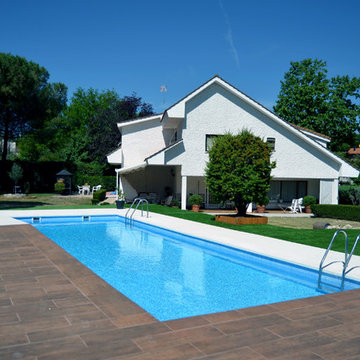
{"type": "Point", "coordinates": [344, 212]}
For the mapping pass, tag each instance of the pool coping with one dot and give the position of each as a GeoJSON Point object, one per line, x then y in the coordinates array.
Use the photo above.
{"type": "Point", "coordinates": [53, 307]}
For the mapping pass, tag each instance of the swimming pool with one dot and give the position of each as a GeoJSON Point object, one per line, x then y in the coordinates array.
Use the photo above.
{"type": "Point", "coordinates": [171, 275]}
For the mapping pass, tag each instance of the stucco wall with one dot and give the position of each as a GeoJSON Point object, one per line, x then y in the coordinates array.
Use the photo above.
{"type": "Point", "coordinates": [140, 141]}
{"type": "Point", "coordinates": [215, 111]}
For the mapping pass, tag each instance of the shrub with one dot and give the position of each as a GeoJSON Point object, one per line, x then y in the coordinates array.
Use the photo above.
{"type": "Point", "coordinates": [98, 196]}
{"type": "Point", "coordinates": [309, 200]}
{"type": "Point", "coordinates": [195, 200]}
{"type": "Point", "coordinates": [344, 212]}
{"type": "Point", "coordinates": [176, 203]}
{"type": "Point", "coordinates": [107, 182]}
{"type": "Point", "coordinates": [355, 195]}
{"type": "Point", "coordinates": [59, 187]}
{"type": "Point", "coordinates": [344, 194]}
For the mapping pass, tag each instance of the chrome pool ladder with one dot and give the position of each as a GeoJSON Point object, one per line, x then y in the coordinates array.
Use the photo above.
{"type": "Point", "coordinates": [129, 216]}
{"type": "Point", "coordinates": [345, 263]}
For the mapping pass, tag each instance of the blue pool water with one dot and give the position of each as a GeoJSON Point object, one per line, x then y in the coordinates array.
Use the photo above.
{"type": "Point", "coordinates": [173, 276]}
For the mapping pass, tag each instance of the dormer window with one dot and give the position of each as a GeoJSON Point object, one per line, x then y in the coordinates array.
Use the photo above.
{"type": "Point", "coordinates": [271, 142]}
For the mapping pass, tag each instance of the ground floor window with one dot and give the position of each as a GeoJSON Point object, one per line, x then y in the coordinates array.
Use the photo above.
{"type": "Point", "coordinates": [287, 190]}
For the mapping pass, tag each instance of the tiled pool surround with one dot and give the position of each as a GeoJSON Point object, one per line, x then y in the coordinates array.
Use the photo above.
{"type": "Point", "coordinates": [52, 307]}
{"type": "Point", "coordinates": [87, 319]}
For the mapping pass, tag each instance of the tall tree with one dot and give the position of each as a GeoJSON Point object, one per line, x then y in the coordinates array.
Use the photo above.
{"type": "Point", "coordinates": [308, 98]}
{"type": "Point", "coordinates": [26, 97]}
{"type": "Point", "coordinates": [239, 169]}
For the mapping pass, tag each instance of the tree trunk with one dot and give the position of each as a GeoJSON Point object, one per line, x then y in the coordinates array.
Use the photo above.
{"type": "Point", "coordinates": [241, 207]}
{"type": "Point", "coordinates": [5, 141]}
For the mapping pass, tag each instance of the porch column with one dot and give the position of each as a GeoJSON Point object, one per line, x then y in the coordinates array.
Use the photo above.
{"type": "Point", "coordinates": [183, 192]}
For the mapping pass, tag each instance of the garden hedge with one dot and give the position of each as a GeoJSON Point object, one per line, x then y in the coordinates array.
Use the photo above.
{"type": "Point", "coordinates": [98, 196]}
{"type": "Point", "coordinates": [344, 212]}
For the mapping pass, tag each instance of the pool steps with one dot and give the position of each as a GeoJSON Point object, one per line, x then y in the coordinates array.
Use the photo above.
{"type": "Point", "coordinates": [322, 285]}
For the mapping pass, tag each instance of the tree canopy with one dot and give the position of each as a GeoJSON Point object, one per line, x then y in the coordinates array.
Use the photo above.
{"type": "Point", "coordinates": [85, 131]}
{"type": "Point", "coordinates": [310, 99]}
{"type": "Point", "coordinates": [26, 97]}
{"type": "Point", "coordinates": [239, 169]}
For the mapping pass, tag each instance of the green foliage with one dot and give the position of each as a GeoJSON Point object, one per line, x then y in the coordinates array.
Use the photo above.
{"type": "Point", "coordinates": [308, 98]}
{"type": "Point", "coordinates": [195, 199]}
{"type": "Point", "coordinates": [26, 97]}
{"type": "Point", "coordinates": [86, 131]}
{"type": "Point", "coordinates": [355, 195]}
{"type": "Point", "coordinates": [239, 169]}
{"type": "Point", "coordinates": [59, 187]}
{"type": "Point", "coordinates": [106, 182]}
{"type": "Point", "coordinates": [309, 200]}
{"type": "Point", "coordinates": [345, 212]}
{"type": "Point", "coordinates": [16, 173]}
{"type": "Point", "coordinates": [344, 194]}
{"type": "Point", "coordinates": [176, 203]}
{"type": "Point", "coordinates": [98, 196]}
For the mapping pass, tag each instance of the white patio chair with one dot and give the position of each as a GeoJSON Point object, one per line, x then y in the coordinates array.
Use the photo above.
{"type": "Point", "coordinates": [80, 188]}
{"type": "Point", "coordinates": [96, 188]}
{"type": "Point", "coordinates": [294, 207]}
{"type": "Point", "coordinates": [300, 204]}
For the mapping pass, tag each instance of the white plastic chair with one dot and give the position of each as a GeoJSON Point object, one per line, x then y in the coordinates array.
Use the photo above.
{"type": "Point", "coordinates": [95, 188]}
{"type": "Point", "coordinates": [80, 188]}
{"type": "Point", "coordinates": [293, 207]}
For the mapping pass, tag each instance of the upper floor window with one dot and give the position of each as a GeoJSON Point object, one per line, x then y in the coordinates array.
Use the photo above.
{"type": "Point", "coordinates": [209, 141]}
{"type": "Point", "coordinates": [271, 142]}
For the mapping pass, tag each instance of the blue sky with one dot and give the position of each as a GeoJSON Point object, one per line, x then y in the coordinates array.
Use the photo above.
{"type": "Point", "coordinates": [136, 46]}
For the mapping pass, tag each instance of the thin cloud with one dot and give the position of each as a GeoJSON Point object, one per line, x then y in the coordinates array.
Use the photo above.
{"type": "Point", "coordinates": [229, 36]}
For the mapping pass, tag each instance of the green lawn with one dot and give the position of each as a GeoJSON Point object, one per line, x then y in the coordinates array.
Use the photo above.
{"type": "Point", "coordinates": [318, 238]}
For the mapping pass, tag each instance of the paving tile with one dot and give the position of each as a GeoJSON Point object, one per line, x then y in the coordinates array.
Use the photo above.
{"type": "Point", "coordinates": [48, 348]}
{"type": "Point", "coordinates": [293, 344]}
{"type": "Point", "coordinates": [125, 333]}
{"type": "Point", "coordinates": [345, 316]}
{"type": "Point", "coordinates": [8, 318]}
{"type": "Point", "coordinates": [243, 353]}
{"type": "Point", "coordinates": [224, 316]}
{"type": "Point", "coordinates": [11, 340]}
{"type": "Point", "coordinates": [70, 330]}
{"type": "Point", "coordinates": [132, 320]}
{"type": "Point", "coordinates": [310, 311]}
{"type": "Point", "coordinates": [333, 351]}
{"type": "Point", "coordinates": [343, 331]}
{"type": "Point", "coordinates": [232, 327]}
{"type": "Point", "coordinates": [245, 338]}
{"type": "Point", "coordinates": [258, 310]}
{"type": "Point", "coordinates": [179, 337]}
{"type": "Point", "coordinates": [302, 326]}
{"type": "Point", "coordinates": [180, 352]}
{"type": "Point", "coordinates": [186, 322]}
{"type": "Point", "coordinates": [38, 324]}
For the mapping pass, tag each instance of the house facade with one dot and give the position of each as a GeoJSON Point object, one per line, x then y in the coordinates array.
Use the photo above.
{"type": "Point", "coordinates": [167, 153]}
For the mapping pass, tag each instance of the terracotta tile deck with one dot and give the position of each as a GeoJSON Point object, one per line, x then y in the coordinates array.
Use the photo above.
{"type": "Point", "coordinates": [52, 307]}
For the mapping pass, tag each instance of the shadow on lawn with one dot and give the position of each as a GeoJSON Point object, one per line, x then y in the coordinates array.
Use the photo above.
{"type": "Point", "coordinates": [4, 205]}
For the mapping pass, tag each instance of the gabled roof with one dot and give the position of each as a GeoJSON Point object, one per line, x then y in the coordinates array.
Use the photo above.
{"type": "Point", "coordinates": [139, 120]}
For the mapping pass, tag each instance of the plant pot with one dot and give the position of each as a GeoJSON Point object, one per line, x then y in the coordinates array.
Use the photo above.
{"type": "Point", "coordinates": [195, 208]}
{"type": "Point", "coordinates": [120, 204]}
{"type": "Point", "coordinates": [307, 209]}
{"type": "Point", "coordinates": [260, 209]}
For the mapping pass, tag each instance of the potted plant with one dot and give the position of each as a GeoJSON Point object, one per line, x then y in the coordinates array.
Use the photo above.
{"type": "Point", "coordinates": [260, 208]}
{"type": "Point", "coordinates": [308, 201]}
{"type": "Point", "coordinates": [195, 201]}
{"type": "Point", "coordinates": [120, 201]}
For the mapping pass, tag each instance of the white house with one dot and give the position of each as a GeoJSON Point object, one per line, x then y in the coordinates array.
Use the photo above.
{"type": "Point", "coordinates": [167, 153]}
